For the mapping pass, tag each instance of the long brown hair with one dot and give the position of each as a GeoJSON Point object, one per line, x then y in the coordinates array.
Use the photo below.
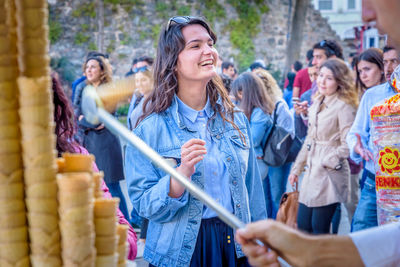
{"type": "Point", "coordinates": [253, 94]}
{"type": "Point", "coordinates": [170, 43]}
{"type": "Point", "coordinates": [346, 88]}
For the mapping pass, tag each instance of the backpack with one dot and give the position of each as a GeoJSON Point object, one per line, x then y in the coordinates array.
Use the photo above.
{"type": "Point", "coordinates": [280, 147]}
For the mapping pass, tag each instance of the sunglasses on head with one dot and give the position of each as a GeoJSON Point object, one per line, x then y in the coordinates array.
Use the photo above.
{"type": "Point", "coordinates": [141, 69]}
{"type": "Point", "coordinates": [324, 43]}
{"type": "Point", "coordinates": [177, 20]}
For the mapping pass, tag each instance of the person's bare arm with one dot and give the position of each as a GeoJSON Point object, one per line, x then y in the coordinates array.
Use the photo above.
{"type": "Point", "coordinates": [296, 92]}
{"type": "Point", "coordinates": [296, 248]}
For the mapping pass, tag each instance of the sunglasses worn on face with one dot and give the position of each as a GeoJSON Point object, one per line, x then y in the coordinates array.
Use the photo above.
{"type": "Point", "coordinates": [177, 20]}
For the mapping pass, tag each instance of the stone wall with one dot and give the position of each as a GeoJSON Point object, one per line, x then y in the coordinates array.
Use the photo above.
{"type": "Point", "coordinates": [131, 30]}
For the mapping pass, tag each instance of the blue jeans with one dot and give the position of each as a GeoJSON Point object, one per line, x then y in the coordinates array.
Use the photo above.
{"type": "Point", "coordinates": [115, 190]}
{"type": "Point", "coordinates": [278, 177]}
{"type": "Point", "coordinates": [365, 215]}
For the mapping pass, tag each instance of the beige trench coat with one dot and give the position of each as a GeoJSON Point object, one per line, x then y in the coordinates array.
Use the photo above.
{"type": "Point", "coordinates": [324, 153]}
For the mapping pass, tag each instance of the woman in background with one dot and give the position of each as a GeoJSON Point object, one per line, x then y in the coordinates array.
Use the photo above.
{"type": "Point", "coordinates": [325, 150]}
{"type": "Point", "coordinates": [65, 130]}
{"type": "Point", "coordinates": [97, 139]}
{"type": "Point", "coordinates": [277, 176]}
{"type": "Point", "coordinates": [257, 105]}
{"type": "Point", "coordinates": [369, 70]}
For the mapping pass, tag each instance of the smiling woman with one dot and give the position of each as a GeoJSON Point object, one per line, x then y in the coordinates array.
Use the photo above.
{"type": "Point", "coordinates": [207, 139]}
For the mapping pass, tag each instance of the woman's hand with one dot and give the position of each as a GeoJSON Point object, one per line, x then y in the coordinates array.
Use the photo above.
{"type": "Point", "coordinates": [191, 153]}
{"type": "Point", "coordinates": [293, 178]}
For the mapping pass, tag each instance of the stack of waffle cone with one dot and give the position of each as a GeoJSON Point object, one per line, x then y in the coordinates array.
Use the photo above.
{"type": "Point", "coordinates": [76, 197]}
{"type": "Point", "coordinates": [32, 31]}
{"type": "Point", "coordinates": [39, 155]}
{"type": "Point", "coordinates": [14, 250]}
{"type": "Point", "coordinates": [105, 220]}
{"type": "Point", "coordinates": [76, 218]}
{"type": "Point", "coordinates": [123, 245]}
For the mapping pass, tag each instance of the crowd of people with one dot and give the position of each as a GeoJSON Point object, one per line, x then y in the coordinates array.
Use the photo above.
{"type": "Point", "coordinates": [213, 125]}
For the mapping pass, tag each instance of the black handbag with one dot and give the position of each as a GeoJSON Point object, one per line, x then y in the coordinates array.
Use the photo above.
{"type": "Point", "coordinates": [280, 147]}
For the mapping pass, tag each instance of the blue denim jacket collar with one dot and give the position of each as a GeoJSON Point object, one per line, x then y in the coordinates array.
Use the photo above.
{"type": "Point", "coordinates": [177, 117]}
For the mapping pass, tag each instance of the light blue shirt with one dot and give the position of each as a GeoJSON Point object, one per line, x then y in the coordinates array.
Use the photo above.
{"type": "Point", "coordinates": [379, 246]}
{"type": "Point", "coordinates": [216, 177]}
{"type": "Point", "coordinates": [362, 122]}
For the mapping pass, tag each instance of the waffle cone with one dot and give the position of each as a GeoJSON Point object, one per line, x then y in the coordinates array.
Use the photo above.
{"type": "Point", "coordinates": [7, 104]}
{"type": "Point", "coordinates": [14, 235]}
{"type": "Point", "coordinates": [122, 263]}
{"type": "Point", "coordinates": [9, 117]}
{"type": "Point", "coordinates": [98, 181]}
{"type": "Point", "coordinates": [12, 220]}
{"type": "Point", "coordinates": [39, 115]}
{"type": "Point", "coordinates": [77, 214]}
{"type": "Point", "coordinates": [78, 248]}
{"type": "Point", "coordinates": [42, 190]}
{"type": "Point", "coordinates": [36, 72]}
{"type": "Point", "coordinates": [32, 131]}
{"type": "Point", "coordinates": [44, 239]}
{"type": "Point", "coordinates": [12, 191]}
{"type": "Point", "coordinates": [106, 207]}
{"type": "Point", "coordinates": [73, 182]}
{"type": "Point", "coordinates": [10, 131]}
{"type": "Point", "coordinates": [45, 261]}
{"type": "Point", "coordinates": [40, 161]}
{"type": "Point", "coordinates": [12, 178]}
{"type": "Point", "coordinates": [29, 87]}
{"type": "Point", "coordinates": [9, 146]}
{"type": "Point", "coordinates": [43, 97]}
{"type": "Point", "coordinates": [107, 260]}
{"type": "Point", "coordinates": [75, 199]}
{"type": "Point", "coordinates": [89, 261]}
{"type": "Point", "coordinates": [36, 46]}
{"type": "Point", "coordinates": [40, 145]}
{"type": "Point", "coordinates": [10, 165]}
{"type": "Point", "coordinates": [31, 4]}
{"type": "Point", "coordinates": [122, 252]}
{"type": "Point", "coordinates": [40, 175]}
{"type": "Point", "coordinates": [11, 205]}
{"type": "Point", "coordinates": [122, 231]}
{"type": "Point", "coordinates": [105, 226]}
{"type": "Point", "coordinates": [24, 262]}
{"type": "Point", "coordinates": [38, 32]}
{"type": "Point", "coordinates": [73, 230]}
{"type": "Point", "coordinates": [54, 250]}
{"type": "Point", "coordinates": [13, 252]}
{"type": "Point", "coordinates": [8, 73]}
{"type": "Point", "coordinates": [8, 89]}
{"type": "Point", "coordinates": [33, 18]}
{"type": "Point", "coordinates": [42, 205]}
{"type": "Point", "coordinates": [43, 221]}
{"type": "Point", "coordinates": [78, 162]}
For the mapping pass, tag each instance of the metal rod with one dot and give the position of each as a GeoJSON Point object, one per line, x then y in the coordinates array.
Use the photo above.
{"type": "Point", "coordinates": [115, 126]}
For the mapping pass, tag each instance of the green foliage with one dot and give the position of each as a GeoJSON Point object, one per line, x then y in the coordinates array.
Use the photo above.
{"type": "Point", "coordinates": [162, 9]}
{"type": "Point", "coordinates": [85, 10]}
{"type": "Point", "coordinates": [85, 27]}
{"type": "Point", "coordinates": [122, 56]}
{"type": "Point", "coordinates": [184, 10]}
{"type": "Point", "coordinates": [81, 38]}
{"type": "Point", "coordinates": [55, 31]}
{"type": "Point", "coordinates": [111, 47]}
{"type": "Point", "coordinates": [245, 28]}
{"type": "Point", "coordinates": [126, 39]}
{"type": "Point", "coordinates": [213, 10]}
{"type": "Point", "coordinates": [155, 32]}
{"type": "Point", "coordinates": [64, 68]}
{"type": "Point", "coordinates": [92, 46]}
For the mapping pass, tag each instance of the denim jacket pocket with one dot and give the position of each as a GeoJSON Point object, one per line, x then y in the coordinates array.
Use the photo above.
{"type": "Point", "coordinates": [235, 139]}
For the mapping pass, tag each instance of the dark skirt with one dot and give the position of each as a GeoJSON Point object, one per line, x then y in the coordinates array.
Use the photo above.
{"type": "Point", "coordinates": [107, 149]}
{"type": "Point", "coordinates": [215, 246]}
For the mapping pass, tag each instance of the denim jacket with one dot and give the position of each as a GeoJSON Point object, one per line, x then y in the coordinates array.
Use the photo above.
{"type": "Point", "coordinates": [261, 125]}
{"type": "Point", "coordinates": [175, 222]}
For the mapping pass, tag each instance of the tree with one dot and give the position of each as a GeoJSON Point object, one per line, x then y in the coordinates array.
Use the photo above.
{"type": "Point", "coordinates": [296, 33]}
